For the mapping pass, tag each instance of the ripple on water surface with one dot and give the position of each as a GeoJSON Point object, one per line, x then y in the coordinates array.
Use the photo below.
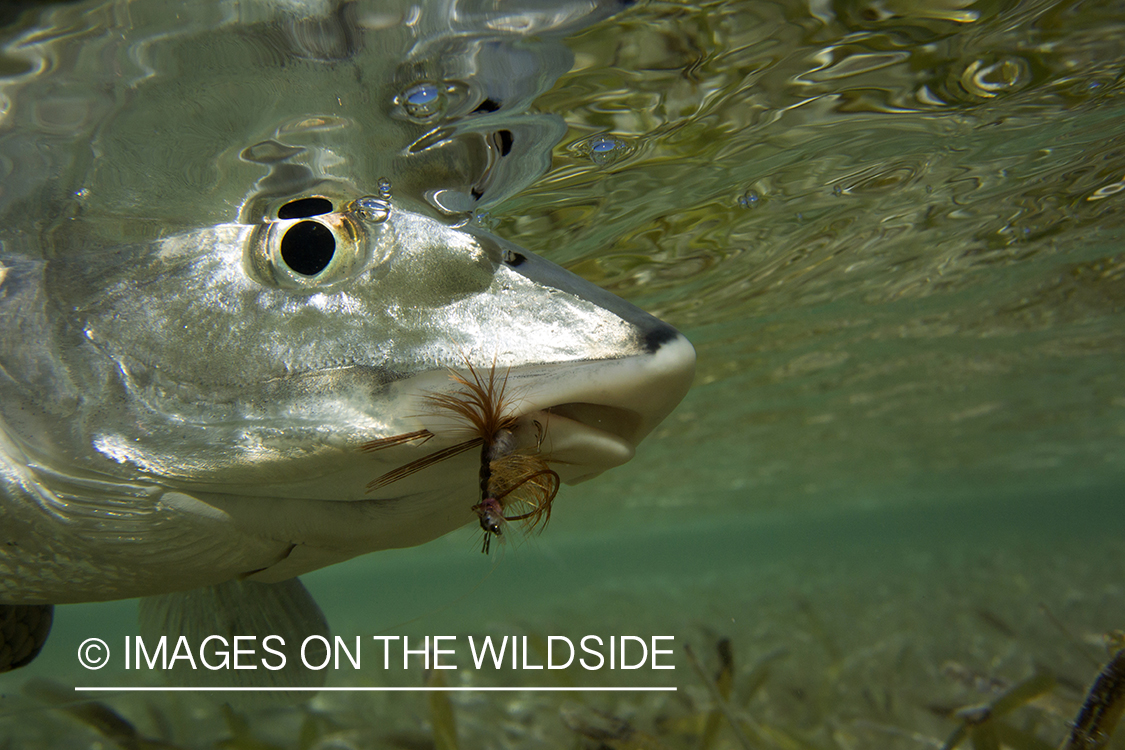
{"type": "Point", "coordinates": [921, 199]}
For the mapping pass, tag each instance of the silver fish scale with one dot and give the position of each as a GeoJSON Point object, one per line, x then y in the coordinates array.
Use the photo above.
{"type": "Point", "coordinates": [222, 274]}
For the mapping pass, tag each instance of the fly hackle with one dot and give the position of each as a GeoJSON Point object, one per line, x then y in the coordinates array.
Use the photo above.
{"type": "Point", "coordinates": [515, 482]}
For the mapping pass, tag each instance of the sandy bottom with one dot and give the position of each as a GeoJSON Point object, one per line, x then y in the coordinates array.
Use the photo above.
{"type": "Point", "coordinates": [864, 630]}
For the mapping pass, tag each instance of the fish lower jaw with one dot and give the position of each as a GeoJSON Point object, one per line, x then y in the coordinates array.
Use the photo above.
{"type": "Point", "coordinates": [579, 450]}
{"type": "Point", "coordinates": [593, 414]}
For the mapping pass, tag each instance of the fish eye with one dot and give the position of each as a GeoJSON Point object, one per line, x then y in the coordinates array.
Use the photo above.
{"type": "Point", "coordinates": [303, 208]}
{"type": "Point", "coordinates": [307, 247]}
{"type": "Point", "coordinates": [316, 243]}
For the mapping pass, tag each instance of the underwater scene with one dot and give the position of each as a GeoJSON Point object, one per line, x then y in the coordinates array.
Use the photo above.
{"type": "Point", "coordinates": [889, 512]}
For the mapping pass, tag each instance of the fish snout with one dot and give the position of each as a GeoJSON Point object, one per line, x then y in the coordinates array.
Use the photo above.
{"type": "Point", "coordinates": [617, 388]}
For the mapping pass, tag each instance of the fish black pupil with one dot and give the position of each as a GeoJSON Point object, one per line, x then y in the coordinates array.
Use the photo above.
{"type": "Point", "coordinates": [303, 208]}
{"type": "Point", "coordinates": [307, 247]}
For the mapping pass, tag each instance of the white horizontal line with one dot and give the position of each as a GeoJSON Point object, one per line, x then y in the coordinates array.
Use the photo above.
{"type": "Point", "coordinates": [371, 689]}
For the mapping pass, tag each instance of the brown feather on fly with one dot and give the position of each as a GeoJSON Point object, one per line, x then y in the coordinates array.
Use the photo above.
{"type": "Point", "coordinates": [514, 485]}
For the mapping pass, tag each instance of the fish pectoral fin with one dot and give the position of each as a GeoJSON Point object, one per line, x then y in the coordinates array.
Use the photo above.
{"type": "Point", "coordinates": [23, 631]}
{"type": "Point", "coordinates": [273, 621]}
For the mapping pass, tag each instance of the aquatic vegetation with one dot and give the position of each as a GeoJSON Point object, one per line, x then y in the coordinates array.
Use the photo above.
{"type": "Point", "coordinates": [441, 713]}
{"type": "Point", "coordinates": [1103, 707]}
{"type": "Point", "coordinates": [99, 717]}
{"type": "Point", "coordinates": [720, 689]}
{"type": "Point", "coordinates": [895, 685]}
{"type": "Point", "coordinates": [983, 728]}
{"type": "Point", "coordinates": [982, 724]}
{"type": "Point", "coordinates": [601, 729]}
{"type": "Point", "coordinates": [241, 735]}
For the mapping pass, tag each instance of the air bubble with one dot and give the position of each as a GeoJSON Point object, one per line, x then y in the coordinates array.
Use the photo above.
{"type": "Point", "coordinates": [423, 101]}
{"type": "Point", "coordinates": [606, 150]}
{"type": "Point", "coordinates": [422, 95]}
{"type": "Point", "coordinates": [749, 199]}
{"type": "Point", "coordinates": [373, 209]}
{"type": "Point", "coordinates": [484, 220]}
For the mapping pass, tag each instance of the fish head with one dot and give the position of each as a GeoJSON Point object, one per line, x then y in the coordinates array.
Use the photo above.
{"type": "Point", "coordinates": [200, 334]}
{"type": "Point", "coordinates": [238, 370]}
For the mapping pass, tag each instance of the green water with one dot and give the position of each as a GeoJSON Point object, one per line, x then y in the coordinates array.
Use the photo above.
{"type": "Point", "coordinates": [924, 296]}
{"type": "Point", "coordinates": [877, 623]}
{"type": "Point", "coordinates": [893, 232]}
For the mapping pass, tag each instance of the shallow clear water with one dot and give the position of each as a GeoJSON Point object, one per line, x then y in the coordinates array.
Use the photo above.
{"type": "Point", "coordinates": [893, 232]}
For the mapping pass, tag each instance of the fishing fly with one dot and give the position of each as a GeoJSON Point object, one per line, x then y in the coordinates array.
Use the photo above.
{"type": "Point", "coordinates": [514, 484]}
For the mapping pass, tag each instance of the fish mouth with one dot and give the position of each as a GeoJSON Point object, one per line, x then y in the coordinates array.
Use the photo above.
{"type": "Point", "coordinates": [592, 415]}
{"type": "Point", "coordinates": [582, 418]}
{"type": "Point", "coordinates": [582, 440]}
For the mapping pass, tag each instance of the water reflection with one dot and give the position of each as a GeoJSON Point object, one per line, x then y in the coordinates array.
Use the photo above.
{"type": "Point", "coordinates": [190, 105]}
{"type": "Point", "coordinates": [901, 189]}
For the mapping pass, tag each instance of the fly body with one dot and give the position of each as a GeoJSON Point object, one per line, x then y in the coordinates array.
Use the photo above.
{"type": "Point", "coordinates": [515, 484]}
